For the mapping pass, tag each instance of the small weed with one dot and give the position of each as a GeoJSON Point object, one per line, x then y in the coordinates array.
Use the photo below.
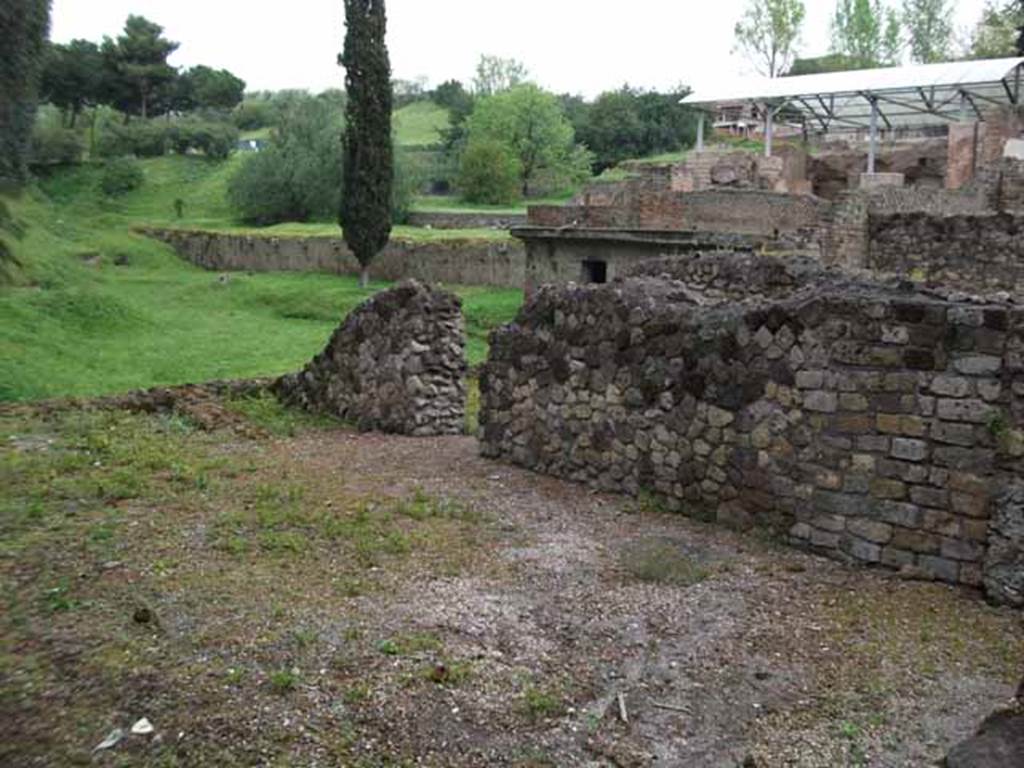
{"type": "Point", "coordinates": [409, 644]}
{"type": "Point", "coordinates": [450, 674]}
{"type": "Point", "coordinates": [357, 694]}
{"type": "Point", "coordinates": [998, 424]}
{"type": "Point", "coordinates": [304, 638]}
{"type": "Point", "coordinates": [57, 598]}
{"type": "Point", "coordinates": [662, 562]}
{"type": "Point", "coordinates": [648, 502]}
{"type": "Point", "coordinates": [541, 703]}
{"type": "Point", "coordinates": [234, 676]}
{"type": "Point", "coordinates": [388, 647]}
{"type": "Point", "coordinates": [284, 680]}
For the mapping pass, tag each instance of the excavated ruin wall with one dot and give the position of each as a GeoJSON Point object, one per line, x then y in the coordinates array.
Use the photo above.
{"type": "Point", "coordinates": [469, 262]}
{"type": "Point", "coordinates": [397, 364]}
{"type": "Point", "coordinates": [978, 252]}
{"type": "Point", "coordinates": [855, 419]}
{"type": "Point", "coordinates": [752, 212]}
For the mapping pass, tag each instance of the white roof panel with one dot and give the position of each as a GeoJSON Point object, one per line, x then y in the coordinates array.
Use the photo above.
{"type": "Point", "coordinates": [922, 94]}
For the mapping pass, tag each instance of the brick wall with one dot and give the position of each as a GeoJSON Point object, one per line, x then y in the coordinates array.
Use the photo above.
{"type": "Point", "coordinates": [751, 212]}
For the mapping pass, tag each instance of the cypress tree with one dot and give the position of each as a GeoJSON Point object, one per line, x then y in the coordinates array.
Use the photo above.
{"type": "Point", "coordinates": [24, 27]}
{"type": "Point", "coordinates": [365, 214]}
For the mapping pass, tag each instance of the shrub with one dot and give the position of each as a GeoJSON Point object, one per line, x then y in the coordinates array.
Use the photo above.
{"type": "Point", "coordinates": [253, 114]}
{"type": "Point", "coordinates": [121, 175]}
{"type": "Point", "coordinates": [216, 140]}
{"type": "Point", "coordinates": [489, 173]}
{"type": "Point", "coordinates": [53, 145]}
{"type": "Point", "coordinates": [142, 139]}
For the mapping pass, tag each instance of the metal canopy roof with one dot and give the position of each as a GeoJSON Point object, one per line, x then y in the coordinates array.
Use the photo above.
{"type": "Point", "coordinates": [914, 96]}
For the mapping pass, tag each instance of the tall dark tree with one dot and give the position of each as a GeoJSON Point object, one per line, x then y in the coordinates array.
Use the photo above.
{"type": "Point", "coordinates": [1020, 37]}
{"type": "Point", "coordinates": [139, 76]}
{"type": "Point", "coordinates": [365, 214]}
{"type": "Point", "coordinates": [24, 25]}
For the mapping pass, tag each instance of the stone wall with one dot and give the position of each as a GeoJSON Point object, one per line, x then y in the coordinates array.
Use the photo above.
{"type": "Point", "coordinates": [979, 252]}
{"type": "Point", "coordinates": [397, 364]}
{"type": "Point", "coordinates": [469, 220]}
{"type": "Point", "coordinates": [857, 419]}
{"type": "Point", "coordinates": [457, 262]}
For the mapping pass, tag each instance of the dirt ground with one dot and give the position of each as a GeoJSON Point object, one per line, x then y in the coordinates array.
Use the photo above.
{"type": "Point", "coordinates": [296, 594]}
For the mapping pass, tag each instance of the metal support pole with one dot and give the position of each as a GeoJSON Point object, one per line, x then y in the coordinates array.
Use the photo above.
{"type": "Point", "coordinates": [873, 140]}
{"type": "Point", "coordinates": [700, 132]}
{"type": "Point", "coordinates": [963, 106]}
{"type": "Point", "coordinates": [768, 120]}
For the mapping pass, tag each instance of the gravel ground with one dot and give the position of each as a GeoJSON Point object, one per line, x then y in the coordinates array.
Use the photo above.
{"type": "Point", "coordinates": [556, 627]}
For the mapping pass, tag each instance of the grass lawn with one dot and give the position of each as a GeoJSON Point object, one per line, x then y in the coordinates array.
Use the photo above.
{"type": "Point", "coordinates": [97, 309]}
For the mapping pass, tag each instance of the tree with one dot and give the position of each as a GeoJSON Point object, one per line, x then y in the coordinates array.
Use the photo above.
{"type": "Point", "coordinates": [530, 122]}
{"type": "Point", "coordinates": [495, 74]}
{"type": "Point", "coordinates": [455, 98]}
{"type": "Point", "coordinates": [72, 78]}
{"type": "Point", "coordinates": [833, 62]}
{"type": "Point", "coordinates": [769, 32]}
{"type": "Point", "coordinates": [489, 173]}
{"type": "Point", "coordinates": [206, 88]}
{"type": "Point", "coordinates": [996, 35]}
{"type": "Point", "coordinates": [137, 62]}
{"type": "Point", "coordinates": [365, 213]}
{"type": "Point", "coordinates": [929, 25]}
{"type": "Point", "coordinates": [866, 31]}
{"type": "Point", "coordinates": [24, 25]}
{"type": "Point", "coordinates": [298, 176]}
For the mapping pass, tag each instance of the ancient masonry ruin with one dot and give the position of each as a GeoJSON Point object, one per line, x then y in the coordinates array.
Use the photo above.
{"type": "Point", "coordinates": [397, 364]}
{"type": "Point", "coordinates": [865, 419]}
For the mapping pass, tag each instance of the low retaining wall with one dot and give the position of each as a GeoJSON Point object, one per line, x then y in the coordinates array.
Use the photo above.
{"type": "Point", "coordinates": [854, 418]}
{"type": "Point", "coordinates": [457, 262]}
{"type": "Point", "coordinates": [456, 220]}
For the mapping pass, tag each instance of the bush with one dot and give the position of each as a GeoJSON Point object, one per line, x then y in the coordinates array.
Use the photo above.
{"type": "Point", "coordinates": [261, 191]}
{"type": "Point", "coordinates": [121, 175]}
{"type": "Point", "coordinates": [53, 145]}
{"type": "Point", "coordinates": [215, 140]}
{"type": "Point", "coordinates": [253, 114]}
{"type": "Point", "coordinates": [489, 173]}
{"type": "Point", "coordinates": [140, 139]}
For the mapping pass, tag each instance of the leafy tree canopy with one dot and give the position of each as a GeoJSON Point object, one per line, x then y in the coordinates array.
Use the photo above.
{"type": "Point", "coordinates": [867, 31]}
{"type": "Point", "coordinates": [1000, 33]}
{"type": "Point", "coordinates": [769, 32]}
{"type": "Point", "coordinates": [495, 74]}
{"type": "Point", "coordinates": [929, 25]}
{"type": "Point", "coordinates": [72, 77]}
{"type": "Point", "coordinates": [530, 122]}
{"type": "Point", "coordinates": [139, 76]}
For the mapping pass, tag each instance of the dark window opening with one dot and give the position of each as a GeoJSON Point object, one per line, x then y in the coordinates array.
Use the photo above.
{"type": "Point", "coordinates": [595, 272]}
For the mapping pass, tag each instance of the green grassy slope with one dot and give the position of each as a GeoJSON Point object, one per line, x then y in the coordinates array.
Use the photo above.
{"type": "Point", "coordinates": [418, 124]}
{"type": "Point", "coordinates": [97, 309]}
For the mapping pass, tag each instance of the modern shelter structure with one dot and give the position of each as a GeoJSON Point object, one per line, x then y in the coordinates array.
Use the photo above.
{"type": "Point", "coordinates": [894, 97]}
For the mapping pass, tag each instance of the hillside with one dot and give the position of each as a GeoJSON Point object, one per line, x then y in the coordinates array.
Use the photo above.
{"type": "Point", "coordinates": [97, 309]}
{"type": "Point", "coordinates": [418, 124]}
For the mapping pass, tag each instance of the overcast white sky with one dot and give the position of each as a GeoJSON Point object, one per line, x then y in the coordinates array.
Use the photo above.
{"type": "Point", "coordinates": [577, 46]}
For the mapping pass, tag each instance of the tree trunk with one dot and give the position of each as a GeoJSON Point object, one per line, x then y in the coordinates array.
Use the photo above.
{"type": "Point", "coordinates": [364, 276]}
